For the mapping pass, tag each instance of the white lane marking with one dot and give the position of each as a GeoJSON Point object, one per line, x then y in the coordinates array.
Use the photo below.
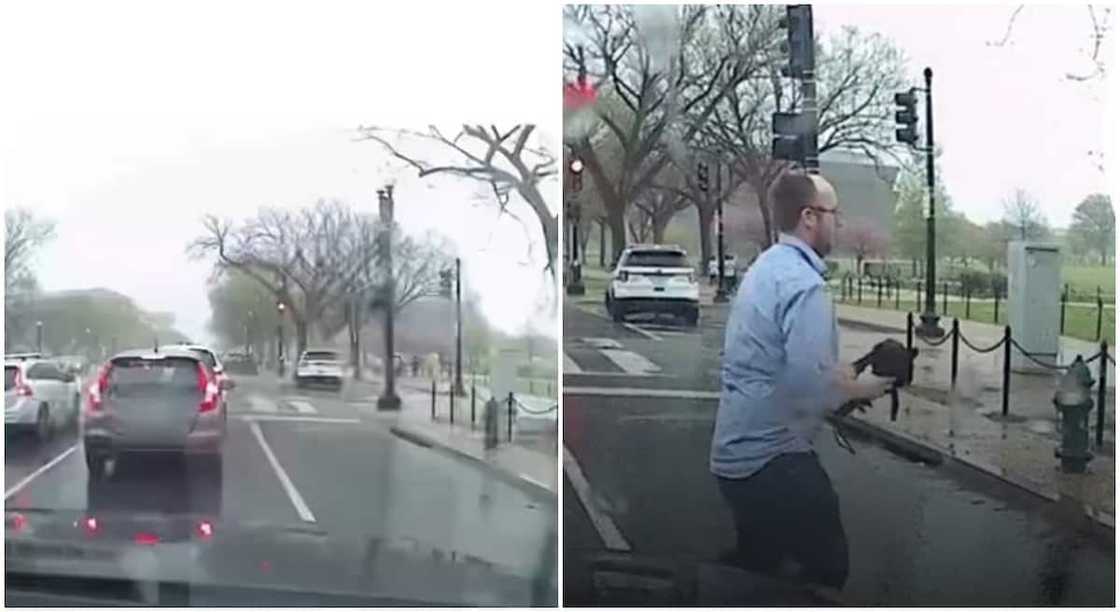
{"type": "Point", "coordinates": [39, 472]}
{"type": "Point", "coordinates": [630, 392]}
{"type": "Point", "coordinates": [606, 528]}
{"type": "Point", "coordinates": [601, 343]}
{"type": "Point", "coordinates": [302, 406]}
{"type": "Point", "coordinates": [630, 361]}
{"type": "Point", "coordinates": [261, 404]}
{"type": "Point", "coordinates": [638, 330]}
{"type": "Point", "coordinates": [570, 365]}
{"type": "Point", "coordinates": [297, 500]}
{"type": "Point", "coordinates": [534, 481]}
{"type": "Point", "coordinates": [595, 313]}
{"type": "Point", "coordinates": [296, 419]}
{"type": "Point", "coordinates": [616, 374]}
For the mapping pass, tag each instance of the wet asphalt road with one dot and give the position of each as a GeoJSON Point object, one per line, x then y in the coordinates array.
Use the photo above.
{"type": "Point", "coordinates": [918, 535]}
{"type": "Point", "coordinates": [349, 477]}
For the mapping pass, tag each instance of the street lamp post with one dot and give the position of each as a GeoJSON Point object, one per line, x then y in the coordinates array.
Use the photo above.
{"type": "Point", "coordinates": [459, 390]}
{"type": "Point", "coordinates": [389, 399]}
{"type": "Point", "coordinates": [280, 340]}
{"type": "Point", "coordinates": [929, 327]}
{"type": "Point", "coordinates": [575, 278]}
{"type": "Point", "coordinates": [721, 292]}
{"type": "Point", "coordinates": [39, 336]}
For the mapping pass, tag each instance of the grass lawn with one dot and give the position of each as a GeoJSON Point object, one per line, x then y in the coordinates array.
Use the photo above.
{"type": "Point", "coordinates": [1081, 322]}
{"type": "Point", "coordinates": [1086, 279]}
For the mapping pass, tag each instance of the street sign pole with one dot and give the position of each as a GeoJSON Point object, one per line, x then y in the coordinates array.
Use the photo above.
{"type": "Point", "coordinates": [929, 327]}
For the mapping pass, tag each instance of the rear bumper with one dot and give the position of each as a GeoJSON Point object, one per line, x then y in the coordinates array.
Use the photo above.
{"type": "Point", "coordinates": [660, 305]}
{"type": "Point", "coordinates": [320, 379]}
{"type": "Point", "coordinates": [100, 435]}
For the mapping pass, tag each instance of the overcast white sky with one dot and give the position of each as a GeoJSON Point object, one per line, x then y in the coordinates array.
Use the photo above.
{"type": "Point", "coordinates": [1006, 117]}
{"type": "Point", "coordinates": [131, 122]}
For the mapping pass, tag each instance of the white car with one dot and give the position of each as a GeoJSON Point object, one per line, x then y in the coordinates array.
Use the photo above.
{"type": "Point", "coordinates": [319, 366]}
{"type": "Point", "coordinates": [39, 395]}
{"type": "Point", "coordinates": [654, 279]}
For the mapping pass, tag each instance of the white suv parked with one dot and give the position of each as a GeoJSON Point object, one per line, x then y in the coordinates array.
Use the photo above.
{"type": "Point", "coordinates": [654, 279]}
{"type": "Point", "coordinates": [322, 366]}
{"type": "Point", "coordinates": [40, 395]}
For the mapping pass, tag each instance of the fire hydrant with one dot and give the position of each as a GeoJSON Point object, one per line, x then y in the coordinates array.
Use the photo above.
{"type": "Point", "coordinates": [1074, 402]}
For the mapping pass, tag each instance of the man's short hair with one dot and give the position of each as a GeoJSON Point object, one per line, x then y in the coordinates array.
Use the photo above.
{"type": "Point", "coordinates": [791, 193]}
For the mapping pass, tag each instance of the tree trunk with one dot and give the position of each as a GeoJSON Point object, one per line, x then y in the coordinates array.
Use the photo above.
{"type": "Point", "coordinates": [659, 227]}
{"type": "Point", "coordinates": [301, 338]}
{"type": "Point", "coordinates": [706, 215]}
{"type": "Point", "coordinates": [617, 222]}
{"type": "Point", "coordinates": [760, 192]}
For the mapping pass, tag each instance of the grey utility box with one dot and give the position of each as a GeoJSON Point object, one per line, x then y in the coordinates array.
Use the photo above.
{"type": "Point", "coordinates": [1033, 302]}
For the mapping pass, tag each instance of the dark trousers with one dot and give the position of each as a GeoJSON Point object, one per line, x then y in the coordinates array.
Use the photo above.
{"type": "Point", "coordinates": [789, 508]}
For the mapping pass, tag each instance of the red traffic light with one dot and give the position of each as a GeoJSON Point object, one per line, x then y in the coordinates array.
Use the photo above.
{"type": "Point", "coordinates": [579, 94]}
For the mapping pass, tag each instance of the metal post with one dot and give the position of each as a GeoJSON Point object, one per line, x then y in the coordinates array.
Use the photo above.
{"type": "Point", "coordinates": [389, 399]}
{"type": "Point", "coordinates": [472, 405]}
{"type": "Point", "coordinates": [721, 291]}
{"type": "Point", "coordinates": [879, 291]}
{"type": "Point", "coordinates": [509, 421]}
{"type": "Point", "coordinates": [909, 330]}
{"type": "Point", "coordinates": [451, 402]}
{"type": "Point", "coordinates": [918, 296]}
{"type": "Point", "coordinates": [1102, 390]}
{"type": "Point", "coordinates": [280, 348]}
{"type": "Point", "coordinates": [945, 298]}
{"type": "Point", "coordinates": [968, 303]}
{"type": "Point", "coordinates": [433, 399]}
{"type": "Point", "coordinates": [929, 326]}
{"type": "Point", "coordinates": [1065, 299]}
{"type": "Point", "coordinates": [897, 294]}
{"type": "Point", "coordinates": [995, 316]}
{"type": "Point", "coordinates": [859, 290]}
{"type": "Point", "coordinates": [1006, 368]}
{"type": "Point", "coordinates": [602, 244]}
{"type": "Point", "coordinates": [1100, 312]}
{"type": "Point", "coordinates": [956, 350]}
{"type": "Point", "coordinates": [459, 390]}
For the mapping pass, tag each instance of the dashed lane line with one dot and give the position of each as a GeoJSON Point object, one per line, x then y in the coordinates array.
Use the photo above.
{"type": "Point", "coordinates": [293, 494]}
{"type": "Point", "coordinates": [604, 525]}
{"type": "Point", "coordinates": [39, 472]}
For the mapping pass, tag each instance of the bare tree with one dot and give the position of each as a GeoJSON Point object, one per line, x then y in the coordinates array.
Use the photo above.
{"type": "Point", "coordinates": [1021, 210]}
{"type": "Point", "coordinates": [306, 258]}
{"type": "Point", "coordinates": [1100, 26]}
{"type": "Point", "coordinates": [23, 235]}
{"type": "Point", "coordinates": [863, 239]}
{"type": "Point", "coordinates": [503, 158]}
{"type": "Point", "coordinates": [661, 79]}
{"type": "Point", "coordinates": [1094, 226]}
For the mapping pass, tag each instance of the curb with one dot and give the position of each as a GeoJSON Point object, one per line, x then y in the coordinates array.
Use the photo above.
{"type": "Point", "coordinates": [520, 481]}
{"type": "Point", "coordinates": [913, 449]}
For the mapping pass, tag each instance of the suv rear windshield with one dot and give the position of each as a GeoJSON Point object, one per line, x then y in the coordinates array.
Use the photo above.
{"type": "Point", "coordinates": [320, 356]}
{"type": "Point", "coordinates": [137, 373]}
{"type": "Point", "coordinates": [10, 375]}
{"type": "Point", "coordinates": [656, 259]}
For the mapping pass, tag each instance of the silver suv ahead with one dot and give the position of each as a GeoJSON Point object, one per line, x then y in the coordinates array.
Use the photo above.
{"type": "Point", "coordinates": [39, 395]}
{"type": "Point", "coordinates": [163, 401]}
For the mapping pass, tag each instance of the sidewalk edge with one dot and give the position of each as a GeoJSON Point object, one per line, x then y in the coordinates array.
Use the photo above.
{"type": "Point", "coordinates": [926, 452]}
{"type": "Point", "coordinates": [525, 483]}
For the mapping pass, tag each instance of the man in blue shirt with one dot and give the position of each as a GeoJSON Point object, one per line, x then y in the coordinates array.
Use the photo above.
{"type": "Point", "coordinates": [780, 377]}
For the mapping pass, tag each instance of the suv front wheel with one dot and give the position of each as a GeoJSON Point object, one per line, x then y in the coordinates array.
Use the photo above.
{"type": "Point", "coordinates": [692, 317]}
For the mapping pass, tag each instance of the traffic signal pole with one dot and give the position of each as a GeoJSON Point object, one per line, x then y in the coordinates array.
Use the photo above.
{"type": "Point", "coordinates": [721, 292]}
{"type": "Point", "coordinates": [929, 326]}
{"type": "Point", "coordinates": [809, 97]}
{"type": "Point", "coordinates": [459, 390]}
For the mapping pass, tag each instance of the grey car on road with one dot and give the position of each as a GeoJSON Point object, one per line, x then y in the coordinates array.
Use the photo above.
{"type": "Point", "coordinates": [161, 400]}
{"type": "Point", "coordinates": [39, 395]}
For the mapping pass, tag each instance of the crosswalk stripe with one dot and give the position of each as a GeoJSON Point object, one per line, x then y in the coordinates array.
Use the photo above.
{"type": "Point", "coordinates": [631, 362]}
{"type": "Point", "coordinates": [570, 365]}
{"type": "Point", "coordinates": [302, 407]}
{"type": "Point", "coordinates": [260, 404]}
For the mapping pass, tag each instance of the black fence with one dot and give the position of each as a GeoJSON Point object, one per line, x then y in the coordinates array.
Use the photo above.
{"type": "Point", "coordinates": [511, 405]}
{"type": "Point", "coordinates": [956, 338]}
{"type": "Point", "coordinates": [880, 290]}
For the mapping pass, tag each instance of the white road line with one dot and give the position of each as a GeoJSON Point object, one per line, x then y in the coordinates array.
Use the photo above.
{"type": "Point", "coordinates": [534, 481]}
{"type": "Point", "coordinates": [630, 361]}
{"type": "Point", "coordinates": [301, 507]}
{"type": "Point", "coordinates": [570, 365]}
{"type": "Point", "coordinates": [619, 374]}
{"type": "Point", "coordinates": [302, 407]}
{"type": "Point", "coordinates": [39, 472]}
{"type": "Point", "coordinates": [601, 343]}
{"type": "Point", "coordinates": [261, 404]}
{"type": "Point", "coordinates": [296, 419]}
{"type": "Point", "coordinates": [608, 531]}
{"type": "Point", "coordinates": [638, 330]}
{"type": "Point", "coordinates": [630, 392]}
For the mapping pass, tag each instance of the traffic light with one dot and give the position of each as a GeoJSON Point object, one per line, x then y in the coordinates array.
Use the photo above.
{"type": "Point", "coordinates": [575, 168]}
{"type": "Point", "coordinates": [906, 117]}
{"type": "Point", "coordinates": [798, 24]}
{"type": "Point", "coordinates": [445, 279]}
{"type": "Point", "coordinates": [791, 137]}
{"type": "Point", "coordinates": [702, 177]}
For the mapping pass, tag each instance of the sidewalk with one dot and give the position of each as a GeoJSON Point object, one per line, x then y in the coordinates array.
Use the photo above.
{"type": "Point", "coordinates": [529, 463]}
{"type": "Point", "coordinates": [966, 425]}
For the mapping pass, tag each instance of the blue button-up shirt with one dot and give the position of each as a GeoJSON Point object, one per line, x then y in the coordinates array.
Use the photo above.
{"type": "Point", "coordinates": [780, 348]}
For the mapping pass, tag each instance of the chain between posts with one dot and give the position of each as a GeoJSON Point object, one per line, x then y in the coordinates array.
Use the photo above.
{"type": "Point", "coordinates": [979, 350]}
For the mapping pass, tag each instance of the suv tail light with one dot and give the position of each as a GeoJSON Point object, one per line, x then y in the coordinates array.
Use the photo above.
{"type": "Point", "coordinates": [100, 387]}
{"type": "Point", "coordinates": [22, 388]}
{"type": "Point", "coordinates": [209, 390]}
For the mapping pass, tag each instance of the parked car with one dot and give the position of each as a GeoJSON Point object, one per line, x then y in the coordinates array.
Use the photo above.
{"type": "Point", "coordinates": [319, 367]}
{"type": "Point", "coordinates": [654, 279]}
{"type": "Point", "coordinates": [240, 363]}
{"type": "Point", "coordinates": [165, 399]}
{"type": "Point", "coordinates": [39, 395]}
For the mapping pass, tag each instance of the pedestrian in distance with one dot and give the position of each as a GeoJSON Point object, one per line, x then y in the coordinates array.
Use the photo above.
{"type": "Point", "coordinates": [780, 377]}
